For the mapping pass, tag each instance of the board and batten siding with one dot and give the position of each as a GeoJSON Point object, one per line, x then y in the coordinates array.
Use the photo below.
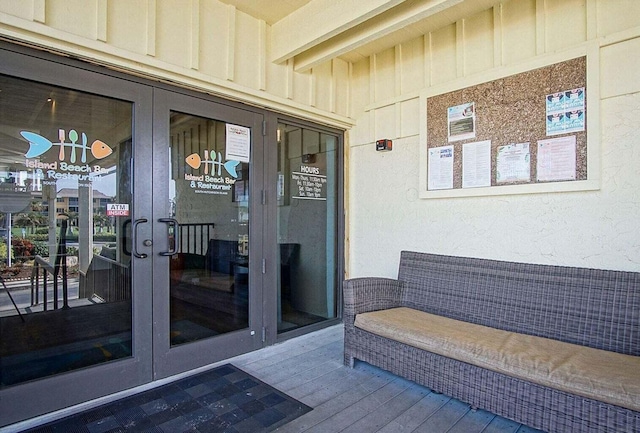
{"type": "Point", "coordinates": [587, 228]}
{"type": "Point", "coordinates": [202, 44]}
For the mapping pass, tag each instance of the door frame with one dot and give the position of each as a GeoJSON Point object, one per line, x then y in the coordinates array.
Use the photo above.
{"type": "Point", "coordinates": [67, 389]}
{"type": "Point", "coordinates": [173, 360]}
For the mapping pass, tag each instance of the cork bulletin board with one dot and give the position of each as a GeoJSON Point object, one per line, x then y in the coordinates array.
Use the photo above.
{"type": "Point", "coordinates": [510, 118]}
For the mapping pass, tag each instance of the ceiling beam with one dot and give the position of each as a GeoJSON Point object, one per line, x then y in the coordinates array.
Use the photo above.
{"type": "Point", "coordinates": [375, 28]}
{"type": "Point", "coordinates": [319, 21]}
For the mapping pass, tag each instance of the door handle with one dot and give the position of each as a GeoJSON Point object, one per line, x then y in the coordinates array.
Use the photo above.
{"type": "Point", "coordinates": [176, 240]}
{"type": "Point", "coordinates": [134, 235]}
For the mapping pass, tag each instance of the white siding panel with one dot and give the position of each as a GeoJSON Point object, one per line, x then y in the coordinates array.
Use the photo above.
{"type": "Point", "coordinates": [173, 32]}
{"type": "Point", "coordinates": [78, 17]}
{"type": "Point", "coordinates": [276, 74]}
{"type": "Point", "coordinates": [247, 68]}
{"type": "Point", "coordinates": [620, 70]}
{"type": "Point", "coordinates": [412, 66]}
{"type": "Point", "coordinates": [443, 55]}
{"type": "Point", "coordinates": [518, 30]}
{"type": "Point", "coordinates": [340, 75]}
{"type": "Point", "coordinates": [214, 38]}
{"type": "Point", "coordinates": [323, 86]}
{"type": "Point", "coordinates": [21, 9]}
{"type": "Point", "coordinates": [302, 87]}
{"type": "Point", "coordinates": [410, 117]}
{"type": "Point", "coordinates": [360, 83]}
{"type": "Point", "coordinates": [385, 122]}
{"type": "Point", "coordinates": [384, 75]}
{"type": "Point", "coordinates": [127, 24]}
{"type": "Point", "coordinates": [566, 23]}
{"type": "Point", "coordinates": [617, 15]}
{"type": "Point", "coordinates": [478, 42]}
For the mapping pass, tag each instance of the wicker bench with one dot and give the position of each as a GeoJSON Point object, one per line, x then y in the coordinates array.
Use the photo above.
{"type": "Point", "coordinates": [555, 348]}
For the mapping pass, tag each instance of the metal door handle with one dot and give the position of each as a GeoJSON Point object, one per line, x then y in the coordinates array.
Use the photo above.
{"type": "Point", "coordinates": [176, 241]}
{"type": "Point", "coordinates": [134, 235]}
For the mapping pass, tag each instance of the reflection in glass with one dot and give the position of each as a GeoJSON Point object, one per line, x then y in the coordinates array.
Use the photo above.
{"type": "Point", "coordinates": [65, 196]}
{"type": "Point", "coordinates": [307, 226]}
{"type": "Point", "coordinates": [209, 200]}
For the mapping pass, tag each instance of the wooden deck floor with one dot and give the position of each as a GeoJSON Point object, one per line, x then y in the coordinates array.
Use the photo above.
{"type": "Point", "coordinates": [364, 399]}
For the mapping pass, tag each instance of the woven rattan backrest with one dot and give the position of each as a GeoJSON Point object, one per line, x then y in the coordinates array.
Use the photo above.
{"type": "Point", "coordinates": [591, 307]}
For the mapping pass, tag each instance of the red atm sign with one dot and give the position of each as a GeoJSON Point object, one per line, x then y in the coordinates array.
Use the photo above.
{"type": "Point", "coordinates": [117, 209]}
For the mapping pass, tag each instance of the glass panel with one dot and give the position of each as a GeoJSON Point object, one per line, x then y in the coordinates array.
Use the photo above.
{"type": "Point", "coordinates": [65, 198]}
{"type": "Point", "coordinates": [209, 193]}
{"type": "Point", "coordinates": [307, 226]}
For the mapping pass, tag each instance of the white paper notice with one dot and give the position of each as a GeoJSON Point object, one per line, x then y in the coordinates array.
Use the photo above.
{"type": "Point", "coordinates": [440, 169]}
{"type": "Point", "coordinates": [461, 122]}
{"type": "Point", "coordinates": [238, 143]}
{"type": "Point", "coordinates": [557, 159]}
{"type": "Point", "coordinates": [476, 164]}
{"type": "Point", "coordinates": [513, 163]}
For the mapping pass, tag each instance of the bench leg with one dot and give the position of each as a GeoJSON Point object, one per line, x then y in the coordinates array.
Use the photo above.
{"type": "Point", "coordinates": [349, 361]}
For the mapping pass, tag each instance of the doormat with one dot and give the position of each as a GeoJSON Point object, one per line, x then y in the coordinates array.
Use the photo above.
{"type": "Point", "coordinates": [224, 399]}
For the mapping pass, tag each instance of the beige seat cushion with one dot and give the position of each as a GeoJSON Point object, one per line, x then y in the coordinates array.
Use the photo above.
{"type": "Point", "coordinates": [597, 374]}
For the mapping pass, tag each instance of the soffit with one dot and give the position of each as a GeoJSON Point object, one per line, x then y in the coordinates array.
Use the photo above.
{"type": "Point", "coordinates": [271, 11]}
{"type": "Point", "coordinates": [312, 32]}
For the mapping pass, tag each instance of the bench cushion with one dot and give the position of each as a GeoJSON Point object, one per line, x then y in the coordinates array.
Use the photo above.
{"type": "Point", "coordinates": [596, 374]}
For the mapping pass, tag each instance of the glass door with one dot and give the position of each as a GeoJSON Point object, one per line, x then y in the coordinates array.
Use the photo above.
{"type": "Point", "coordinates": [308, 203]}
{"type": "Point", "coordinates": [207, 232]}
{"type": "Point", "coordinates": [72, 303]}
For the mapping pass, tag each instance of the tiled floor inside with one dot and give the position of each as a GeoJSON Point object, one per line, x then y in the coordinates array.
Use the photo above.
{"type": "Point", "coordinates": [223, 399]}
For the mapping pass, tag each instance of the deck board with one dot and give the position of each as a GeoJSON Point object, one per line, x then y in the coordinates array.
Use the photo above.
{"type": "Point", "coordinates": [362, 399]}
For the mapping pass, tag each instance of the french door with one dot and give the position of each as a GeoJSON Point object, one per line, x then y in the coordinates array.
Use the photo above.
{"type": "Point", "coordinates": [206, 232]}
{"type": "Point", "coordinates": [147, 231]}
{"type": "Point", "coordinates": [134, 214]}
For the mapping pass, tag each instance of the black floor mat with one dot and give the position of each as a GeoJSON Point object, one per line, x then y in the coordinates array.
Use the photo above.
{"type": "Point", "coordinates": [224, 399]}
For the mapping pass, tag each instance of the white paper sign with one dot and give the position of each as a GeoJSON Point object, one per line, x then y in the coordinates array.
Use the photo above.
{"type": "Point", "coordinates": [476, 164]}
{"type": "Point", "coordinates": [557, 159]}
{"type": "Point", "coordinates": [440, 168]}
{"type": "Point", "coordinates": [238, 143]}
{"type": "Point", "coordinates": [513, 163]}
{"type": "Point", "coordinates": [461, 122]}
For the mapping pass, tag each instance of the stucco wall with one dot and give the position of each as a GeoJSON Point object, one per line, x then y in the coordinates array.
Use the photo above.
{"type": "Point", "coordinates": [593, 229]}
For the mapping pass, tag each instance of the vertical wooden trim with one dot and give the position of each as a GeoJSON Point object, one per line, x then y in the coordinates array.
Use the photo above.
{"type": "Point", "coordinates": [460, 54]}
{"type": "Point", "coordinates": [398, 115]}
{"type": "Point", "coordinates": [231, 44]}
{"type": "Point", "coordinates": [313, 93]}
{"type": "Point", "coordinates": [39, 11]}
{"type": "Point", "coordinates": [290, 72]}
{"type": "Point", "coordinates": [349, 90]}
{"type": "Point", "coordinates": [195, 35]}
{"type": "Point", "coordinates": [592, 19]}
{"type": "Point", "coordinates": [334, 86]}
{"type": "Point", "coordinates": [262, 55]}
{"type": "Point", "coordinates": [151, 27]}
{"type": "Point", "coordinates": [428, 60]}
{"type": "Point", "coordinates": [398, 69]}
{"type": "Point", "coordinates": [541, 37]}
{"type": "Point", "coordinates": [372, 78]}
{"type": "Point", "coordinates": [498, 31]}
{"type": "Point", "coordinates": [101, 20]}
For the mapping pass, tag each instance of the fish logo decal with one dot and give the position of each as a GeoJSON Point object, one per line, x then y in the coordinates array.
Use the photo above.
{"type": "Point", "coordinates": [38, 145]}
{"type": "Point", "coordinates": [195, 161]}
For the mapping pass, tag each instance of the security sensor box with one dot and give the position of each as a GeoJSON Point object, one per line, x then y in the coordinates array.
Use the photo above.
{"type": "Point", "coordinates": [384, 145]}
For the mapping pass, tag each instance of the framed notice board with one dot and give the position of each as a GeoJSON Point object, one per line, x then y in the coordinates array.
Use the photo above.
{"type": "Point", "coordinates": [527, 129]}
